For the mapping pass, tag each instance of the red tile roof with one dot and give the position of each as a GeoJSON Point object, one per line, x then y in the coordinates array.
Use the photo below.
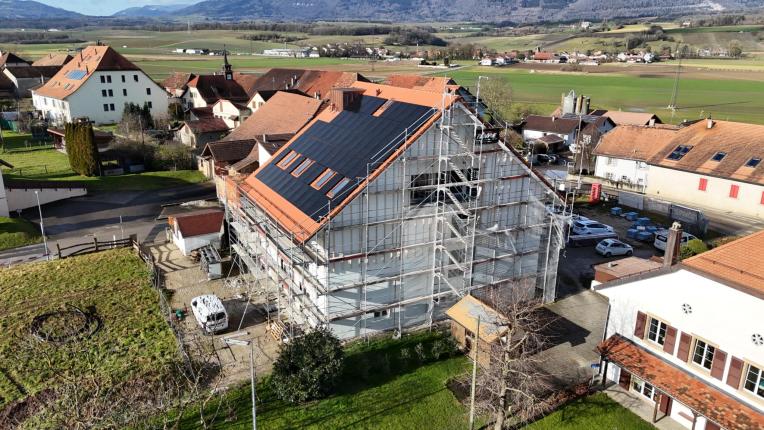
{"type": "Point", "coordinates": [699, 396]}
{"type": "Point", "coordinates": [740, 262]}
{"type": "Point", "coordinates": [177, 80]}
{"type": "Point", "coordinates": [284, 113]}
{"type": "Point", "coordinates": [632, 118]}
{"type": "Point", "coordinates": [321, 82]}
{"type": "Point", "coordinates": [425, 83]}
{"type": "Point", "coordinates": [90, 60]}
{"type": "Point", "coordinates": [739, 141]}
{"type": "Point", "coordinates": [215, 87]}
{"type": "Point", "coordinates": [229, 151]}
{"type": "Point", "coordinates": [53, 60]}
{"type": "Point", "coordinates": [634, 142]}
{"type": "Point", "coordinates": [207, 125]}
{"type": "Point", "coordinates": [551, 124]}
{"type": "Point", "coordinates": [10, 57]}
{"type": "Point", "coordinates": [198, 223]}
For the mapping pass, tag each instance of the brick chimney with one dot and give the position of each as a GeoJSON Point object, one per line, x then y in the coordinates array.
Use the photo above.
{"type": "Point", "coordinates": [673, 245]}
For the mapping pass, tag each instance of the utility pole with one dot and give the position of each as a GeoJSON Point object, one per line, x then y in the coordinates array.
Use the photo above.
{"type": "Point", "coordinates": [253, 382]}
{"type": "Point", "coordinates": [476, 347]}
{"type": "Point", "coordinates": [42, 226]}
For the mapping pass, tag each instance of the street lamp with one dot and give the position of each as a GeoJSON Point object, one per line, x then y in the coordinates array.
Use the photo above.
{"type": "Point", "coordinates": [42, 226]}
{"type": "Point", "coordinates": [231, 341]}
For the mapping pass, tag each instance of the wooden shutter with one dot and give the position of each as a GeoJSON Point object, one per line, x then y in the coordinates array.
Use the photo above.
{"type": "Point", "coordinates": [710, 425]}
{"type": "Point", "coordinates": [639, 328]}
{"type": "Point", "coordinates": [736, 371]}
{"type": "Point", "coordinates": [624, 379]}
{"type": "Point", "coordinates": [684, 347]}
{"type": "Point", "coordinates": [669, 340]}
{"type": "Point", "coordinates": [717, 366]}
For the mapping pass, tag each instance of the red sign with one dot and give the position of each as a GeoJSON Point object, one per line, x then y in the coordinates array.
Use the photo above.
{"type": "Point", "coordinates": [594, 195]}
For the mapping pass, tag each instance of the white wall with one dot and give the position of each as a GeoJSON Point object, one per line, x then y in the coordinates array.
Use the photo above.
{"type": "Point", "coordinates": [682, 187]}
{"type": "Point", "coordinates": [4, 210]}
{"type": "Point", "coordinates": [622, 170]}
{"type": "Point", "coordinates": [721, 315]}
{"type": "Point", "coordinates": [193, 98]}
{"type": "Point", "coordinates": [529, 135]}
{"type": "Point", "coordinates": [26, 198]}
{"type": "Point", "coordinates": [188, 244]}
{"type": "Point", "coordinates": [88, 101]}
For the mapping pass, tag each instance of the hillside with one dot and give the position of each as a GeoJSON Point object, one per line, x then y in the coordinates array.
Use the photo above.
{"type": "Point", "coordinates": [451, 10]}
{"type": "Point", "coordinates": [150, 11]}
{"type": "Point", "coordinates": [26, 9]}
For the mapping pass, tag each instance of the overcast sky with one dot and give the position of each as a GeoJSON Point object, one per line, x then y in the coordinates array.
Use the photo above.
{"type": "Point", "coordinates": [106, 7]}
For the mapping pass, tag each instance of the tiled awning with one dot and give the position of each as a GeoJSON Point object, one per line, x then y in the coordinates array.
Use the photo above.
{"type": "Point", "coordinates": [681, 386]}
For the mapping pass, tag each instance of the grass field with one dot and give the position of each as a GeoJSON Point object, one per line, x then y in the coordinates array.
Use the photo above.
{"type": "Point", "coordinates": [723, 99]}
{"type": "Point", "coordinates": [381, 389]}
{"type": "Point", "coordinates": [15, 232]}
{"type": "Point", "coordinates": [597, 411]}
{"type": "Point", "coordinates": [35, 161]}
{"type": "Point", "coordinates": [134, 341]}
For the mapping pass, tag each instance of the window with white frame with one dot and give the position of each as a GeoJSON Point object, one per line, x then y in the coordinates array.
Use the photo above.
{"type": "Point", "coordinates": [754, 381]}
{"type": "Point", "coordinates": [703, 354]}
{"type": "Point", "coordinates": [656, 331]}
{"type": "Point", "coordinates": [610, 161]}
{"type": "Point", "coordinates": [644, 388]}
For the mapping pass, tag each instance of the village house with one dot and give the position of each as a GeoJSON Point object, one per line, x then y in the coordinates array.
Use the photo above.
{"type": "Point", "coordinates": [97, 84]}
{"type": "Point", "coordinates": [389, 234]}
{"type": "Point", "coordinates": [56, 60]}
{"type": "Point", "coordinates": [684, 337]}
{"type": "Point", "coordinates": [176, 85]}
{"type": "Point", "coordinates": [19, 194]}
{"type": "Point", "coordinates": [536, 127]}
{"type": "Point", "coordinates": [632, 118]}
{"type": "Point", "coordinates": [623, 153]}
{"type": "Point", "coordinates": [26, 78]}
{"type": "Point", "coordinates": [9, 59]}
{"type": "Point", "coordinates": [199, 132]}
{"type": "Point", "coordinates": [712, 165]}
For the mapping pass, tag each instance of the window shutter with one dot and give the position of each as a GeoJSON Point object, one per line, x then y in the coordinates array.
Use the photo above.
{"type": "Point", "coordinates": [734, 190]}
{"type": "Point", "coordinates": [670, 340]}
{"type": "Point", "coordinates": [717, 367]}
{"type": "Point", "coordinates": [639, 328]}
{"type": "Point", "coordinates": [736, 371]}
{"type": "Point", "coordinates": [684, 347]}
{"type": "Point", "coordinates": [624, 379]}
{"type": "Point", "coordinates": [702, 183]}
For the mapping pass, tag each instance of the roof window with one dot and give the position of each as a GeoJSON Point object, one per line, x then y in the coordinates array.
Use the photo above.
{"type": "Point", "coordinates": [322, 179]}
{"type": "Point", "coordinates": [753, 162]}
{"type": "Point", "coordinates": [338, 188]}
{"type": "Point", "coordinates": [299, 170]}
{"type": "Point", "coordinates": [288, 159]}
{"type": "Point", "coordinates": [719, 156]}
{"type": "Point", "coordinates": [679, 152]}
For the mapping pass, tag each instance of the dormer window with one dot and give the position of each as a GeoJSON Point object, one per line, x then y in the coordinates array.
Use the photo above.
{"type": "Point", "coordinates": [679, 152]}
{"type": "Point", "coordinates": [719, 156]}
{"type": "Point", "coordinates": [300, 169]}
{"type": "Point", "coordinates": [338, 188]}
{"type": "Point", "coordinates": [753, 162]}
{"type": "Point", "coordinates": [288, 160]}
{"type": "Point", "coordinates": [322, 179]}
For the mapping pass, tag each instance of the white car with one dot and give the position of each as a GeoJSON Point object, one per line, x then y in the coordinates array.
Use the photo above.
{"type": "Point", "coordinates": [209, 313]}
{"type": "Point", "coordinates": [585, 227]}
{"type": "Point", "coordinates": [609, 247]}
{"type": "Point", "coordinates": [661, 238]}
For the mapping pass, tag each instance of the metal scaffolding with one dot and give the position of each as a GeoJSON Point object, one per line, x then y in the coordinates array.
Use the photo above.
{"type": "Point", "coordinates": [472, 210]}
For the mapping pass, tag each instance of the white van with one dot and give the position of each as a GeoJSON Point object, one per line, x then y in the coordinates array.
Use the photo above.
{"type": "Point", "coordinates": [661, 238]}
{"type": "Point", "coordinates": [209, 313]}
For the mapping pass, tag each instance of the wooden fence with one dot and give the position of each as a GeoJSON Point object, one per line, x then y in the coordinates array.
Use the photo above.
{"type": "Point", "coordinates": [94, 246]}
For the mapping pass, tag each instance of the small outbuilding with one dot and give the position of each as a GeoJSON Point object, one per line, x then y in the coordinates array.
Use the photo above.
{"type": "Point", "coordinates": [464, 316]}
{"type": "Point", "coordinates": [194, 230]}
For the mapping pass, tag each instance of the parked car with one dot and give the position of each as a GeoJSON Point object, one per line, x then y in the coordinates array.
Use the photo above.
{"type": "Point", "coordinates": [584, 227]}
{"type": "Point", "coordinates": [609, 247]}
{"type": "Point", "coordinates": [661, 238]}
{"type": "Point", "coordinates": [209, 313]}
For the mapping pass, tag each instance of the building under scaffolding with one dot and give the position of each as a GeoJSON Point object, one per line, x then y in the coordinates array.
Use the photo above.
{"type": "Point", "coordinates": [387, 208]}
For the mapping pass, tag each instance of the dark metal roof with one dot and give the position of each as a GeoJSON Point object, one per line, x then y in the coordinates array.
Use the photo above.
{"type": "Point", "coordinates": [353, 144]}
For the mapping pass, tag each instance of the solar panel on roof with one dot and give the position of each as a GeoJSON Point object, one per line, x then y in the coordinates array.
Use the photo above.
{"type": "Point", "coordinates": [353, 145]}
{"type": "Point", "coordinates": [76, 74]}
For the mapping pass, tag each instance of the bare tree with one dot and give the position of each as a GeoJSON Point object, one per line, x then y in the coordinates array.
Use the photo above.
{"type": "Point", "coordinates": [513, 387]}
{"type": "Point", "coordinates": [497, 95]}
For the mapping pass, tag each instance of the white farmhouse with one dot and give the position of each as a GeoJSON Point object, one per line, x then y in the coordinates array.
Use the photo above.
{"type": "Point", "coordinates": [688, 340]}
{"type": "Point", "coordinates": [196, 230]}
{"type": "Point", "coordinates": [622, 154]}
{"type": "Point", "coordinates": [97, 83]}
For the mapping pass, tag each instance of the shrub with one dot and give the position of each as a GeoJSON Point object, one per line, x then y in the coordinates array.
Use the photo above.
{"type": "Point", "coordinates": [693, 247]}
{"type": "Point", "coordinates": [420, 352]}
{"type": "Point", "coordinates": [308, 367]}
{"type": "Point", "coordinates": [81, 148]}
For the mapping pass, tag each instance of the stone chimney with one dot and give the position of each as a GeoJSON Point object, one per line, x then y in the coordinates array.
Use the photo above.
{"type": "Point", "coordinates": [673, 245]}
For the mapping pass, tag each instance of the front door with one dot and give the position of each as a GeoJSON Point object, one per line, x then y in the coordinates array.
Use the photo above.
{"type": "Point", "coordinates": [624, 380]}
{"type": "Point", "coordinates": [665, 405]}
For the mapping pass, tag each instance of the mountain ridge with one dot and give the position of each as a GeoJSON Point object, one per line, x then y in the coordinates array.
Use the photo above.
{"type": "Point", "coordinates": [29, 9]}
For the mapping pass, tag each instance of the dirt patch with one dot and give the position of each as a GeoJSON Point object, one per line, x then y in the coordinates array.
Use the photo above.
{"type": "Point", "coordinates": [19, 411]}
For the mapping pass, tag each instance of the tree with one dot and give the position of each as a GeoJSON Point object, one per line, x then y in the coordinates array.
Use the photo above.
{"type": "Point", "coordinates": [81, 148]}
{"type": "Point", "coordinates": [736, 49]}
{"type": "Point", "coordinates": [497, 95]}
{"type": "Point", "coordinates": [693, 247]}
{"type": "Point", "coordinates": [514, 388]}
{"type": "Point", "coordinates": [308, 367]}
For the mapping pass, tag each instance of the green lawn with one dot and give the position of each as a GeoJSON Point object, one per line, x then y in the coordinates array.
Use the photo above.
{"type": "Point", "coordinates": [733, 100]}
{"type": "Point", "coordinates": [134, 341]}
{"type": "Point", "coordinates": [380, 389]}
{"type": "Point", "coordinates": [15, 232]}
{"type": "Point", "coordinates": [597, 411]}
{"type": "Point", "coordinates": [36, 161]}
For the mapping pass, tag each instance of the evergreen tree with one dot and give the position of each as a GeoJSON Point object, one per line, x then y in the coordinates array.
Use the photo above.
{"type": "Point", "coordinates": [81, 148]}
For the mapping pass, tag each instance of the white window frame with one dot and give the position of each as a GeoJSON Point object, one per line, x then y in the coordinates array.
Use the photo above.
{"type": "Point", "coordinates": [638, 385]}
{"type": "Point", "coordinates": [758, 381]}
{"type": "Point", "coordinates": [704, 357]}
{"type": "Point", "coordinates": [658, 339]}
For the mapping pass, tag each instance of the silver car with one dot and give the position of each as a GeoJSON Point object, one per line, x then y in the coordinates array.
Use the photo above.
{"type": "Point", "coordinates": [610, 247]}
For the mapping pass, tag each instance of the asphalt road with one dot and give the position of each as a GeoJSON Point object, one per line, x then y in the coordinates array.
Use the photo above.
{"type": "Point", "coordinates": [97, 215]}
